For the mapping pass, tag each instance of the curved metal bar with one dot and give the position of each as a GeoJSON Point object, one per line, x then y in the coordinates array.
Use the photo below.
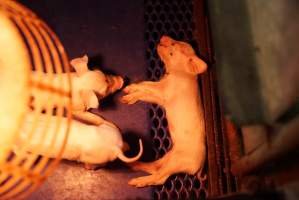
{"type": "Point", "coordinates": [24, 172]}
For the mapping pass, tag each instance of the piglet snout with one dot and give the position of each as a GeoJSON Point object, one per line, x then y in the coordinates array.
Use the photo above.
{"type": "Point", "coordinates": [165, 40]}
{"type": "Point", "coordinates": [115, 83]}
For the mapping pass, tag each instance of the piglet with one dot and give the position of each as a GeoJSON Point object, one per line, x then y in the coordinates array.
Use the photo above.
{"type": "Point", "coordinates": [179, 94]}
{"type": "Point", "coordinates": [90, 144]}
{"type": "Point", "coordinates": [88, 88]}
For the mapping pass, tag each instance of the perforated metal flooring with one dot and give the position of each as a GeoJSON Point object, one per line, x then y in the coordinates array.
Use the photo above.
{"type": "Point", "coordinates": [173, 18]}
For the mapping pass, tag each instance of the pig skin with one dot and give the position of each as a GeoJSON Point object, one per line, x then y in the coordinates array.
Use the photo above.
{"type": "Point", "coordinates": [178, 93]}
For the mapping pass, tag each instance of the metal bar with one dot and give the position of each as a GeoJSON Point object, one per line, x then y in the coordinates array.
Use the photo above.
{"type": "Point", "coordinates": [201, 35]}
{"type": "Point", "coordinates": [222, 140]}
{"type": "Point", "coordinates": [234, 146]}
{"type": "Point", "coordinates": [286, 140]}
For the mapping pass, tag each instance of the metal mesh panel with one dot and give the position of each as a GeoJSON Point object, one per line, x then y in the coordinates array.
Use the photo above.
{"type": "Point", "coordinates": [172, 18]}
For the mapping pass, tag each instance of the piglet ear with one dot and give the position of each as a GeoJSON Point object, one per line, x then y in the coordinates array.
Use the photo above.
{"type": "Point", "coordinates": [85, 58]}
{"type": "Point", "coordinates": [80, 64]}
{"type": "Point", "coordinates": [89, 98]}
{"type": "Point", "coordinates": [196, 65]}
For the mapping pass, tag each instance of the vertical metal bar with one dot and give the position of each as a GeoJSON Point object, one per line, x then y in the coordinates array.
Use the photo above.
{"type": "Point", "coordinates": [220, 179]}
{"type": "Point", "coordinates": [201, 37]}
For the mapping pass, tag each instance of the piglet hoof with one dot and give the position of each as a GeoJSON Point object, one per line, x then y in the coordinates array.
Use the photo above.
{"type": "Point", "coordinates": [131, 88]}
{"type": "Point", "coordinates": [93, 166]}
{"type": "Point", "coordinates": [128, 99]}
{"type": "Point", "coordinates": [202, 177]}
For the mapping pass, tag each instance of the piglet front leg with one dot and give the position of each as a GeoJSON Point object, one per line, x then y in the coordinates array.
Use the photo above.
{"type": "Point", "coordinates": [151, 92]}
{"type": "Point", "coordinates": [92, 118]}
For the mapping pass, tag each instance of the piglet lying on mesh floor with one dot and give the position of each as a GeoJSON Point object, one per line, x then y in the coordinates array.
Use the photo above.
{"type": "Point", "coordinates": [178, 93]}
{"type": "Point", "coordinates": [88, 87]}
{"type": "Point", "coordinates": [92, 145]}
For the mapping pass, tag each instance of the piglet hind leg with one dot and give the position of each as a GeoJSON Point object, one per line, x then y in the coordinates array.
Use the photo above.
{"type": "Point", "coordinates": [157, 177]}
{"type": "Point", "coordinates": [170, 164]}
{"type": "Point", "coordinates": [149, 167]}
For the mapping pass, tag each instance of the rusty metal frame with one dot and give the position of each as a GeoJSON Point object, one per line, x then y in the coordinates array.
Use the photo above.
{"type": "Point", "coordinates": [223, 141]}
